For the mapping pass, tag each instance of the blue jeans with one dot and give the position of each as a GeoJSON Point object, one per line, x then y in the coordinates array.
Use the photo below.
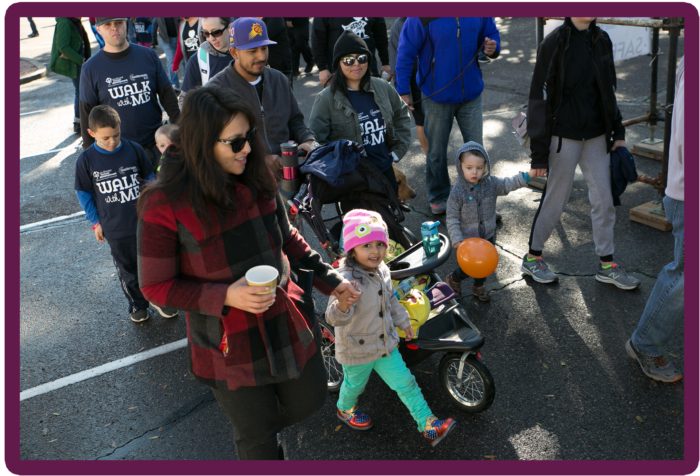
{"type": "Point", "coordinates": [664, 310]}
{"type": "Point", "coordinates": [76, 86]}
{"type": "Point", "coordinates": [394, 372]}
{"type": "Point", "coordinates": [169, 49]}
{"type": "Point", "coordinates": [437, 127]}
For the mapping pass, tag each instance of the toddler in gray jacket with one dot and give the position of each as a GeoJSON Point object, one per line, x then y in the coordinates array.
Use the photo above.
{"type": "Point", "coordinates": [471, 208]}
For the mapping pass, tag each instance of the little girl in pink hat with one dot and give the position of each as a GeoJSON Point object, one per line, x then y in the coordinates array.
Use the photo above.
{"type": "Point", "coordinates": [365, 332]}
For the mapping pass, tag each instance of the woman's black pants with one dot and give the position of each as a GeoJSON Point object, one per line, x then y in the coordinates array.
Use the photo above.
{"type": "Point", "coordinates": [257, 414]}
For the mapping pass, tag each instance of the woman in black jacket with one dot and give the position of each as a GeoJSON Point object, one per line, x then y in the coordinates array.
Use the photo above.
{"type": "Point", "coordinates": [573, 119]}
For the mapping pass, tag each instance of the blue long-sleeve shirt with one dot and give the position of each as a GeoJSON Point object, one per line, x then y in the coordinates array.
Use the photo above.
{"type": "Point", "coordinates": [453, 43]}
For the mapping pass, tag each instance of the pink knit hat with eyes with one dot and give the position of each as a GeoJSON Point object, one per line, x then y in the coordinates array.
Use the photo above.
{"type": "Point", "coordinates": [363, 226]}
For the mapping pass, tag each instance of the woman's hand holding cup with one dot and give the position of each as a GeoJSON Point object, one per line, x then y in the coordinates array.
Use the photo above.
{"type": "Point", "coordinates": [246, 298]}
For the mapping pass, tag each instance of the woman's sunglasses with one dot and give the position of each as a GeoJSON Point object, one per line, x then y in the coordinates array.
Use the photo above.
{"type": "Point", "coordinates": [238, 144]}
{"type": "Point", "coordinates": [213, 33]}
{"type": "Point", "coordinates": [350, 60]}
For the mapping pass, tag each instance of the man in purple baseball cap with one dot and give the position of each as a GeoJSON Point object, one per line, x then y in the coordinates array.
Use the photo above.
{"type": "Point", "coordinates": [266, 90]}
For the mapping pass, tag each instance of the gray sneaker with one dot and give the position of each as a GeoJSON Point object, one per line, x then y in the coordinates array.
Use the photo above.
{"type": "Point", "coordinates": [539, 270]}
{"type": "Point", "coordinates": [657, 368]}
{"type": "Point", "coordinates": [617, 276]}
{"type": "Point", "coordinates": [439, 208]}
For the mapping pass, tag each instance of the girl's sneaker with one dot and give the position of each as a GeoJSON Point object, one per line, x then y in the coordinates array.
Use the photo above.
{"type": "Point", "coordinates": [436, 430]}
{"type": "Point", "coordinates": [355, 419]}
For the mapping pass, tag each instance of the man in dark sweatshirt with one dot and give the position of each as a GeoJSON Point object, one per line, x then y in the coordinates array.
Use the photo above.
{"type": "Point", "coordinates": [266, 90]}
{"type": "Point", "coordinates": [127, 78]}
{"type": "Point", "coordinates": [326, 31]}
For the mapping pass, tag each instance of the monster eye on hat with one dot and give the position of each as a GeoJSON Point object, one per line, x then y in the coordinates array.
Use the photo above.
{"type": "Point", "coordinates": [248, 33]}
{"type": "Point", "coordinates": [102, 20]}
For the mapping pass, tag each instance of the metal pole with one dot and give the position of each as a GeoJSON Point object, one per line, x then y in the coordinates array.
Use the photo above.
{"type": "Point", "coordinates": [670, 94]}
{"type": "Point", "coordinates": [654, 76]}
{"type": "Point", "coordinates": [540, 30]}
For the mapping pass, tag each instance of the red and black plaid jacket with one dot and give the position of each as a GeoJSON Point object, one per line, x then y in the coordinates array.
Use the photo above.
{"type": "Point", "coordinates": [179, 268]}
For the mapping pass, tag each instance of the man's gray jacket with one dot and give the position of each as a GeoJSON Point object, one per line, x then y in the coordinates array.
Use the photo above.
{"type": "Point", "coordinates": [279, 118]}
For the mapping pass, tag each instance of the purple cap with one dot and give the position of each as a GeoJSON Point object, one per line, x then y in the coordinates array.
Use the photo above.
{"type": "Point", "coordinates": [248, 33]}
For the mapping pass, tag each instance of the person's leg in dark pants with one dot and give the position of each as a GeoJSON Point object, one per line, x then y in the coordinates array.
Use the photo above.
{"type": "Point", "coordinates": [257, 414]}
{"type": "Point", "coordinates": [76, 102]}
{"type": "Point", "coordinates": [125, 259]}
{"type": "Point", "coordinates": [35, 32]}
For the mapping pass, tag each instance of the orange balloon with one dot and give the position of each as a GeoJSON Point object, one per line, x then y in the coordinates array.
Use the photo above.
{"type": "Point", "coordinates": [477, 257]}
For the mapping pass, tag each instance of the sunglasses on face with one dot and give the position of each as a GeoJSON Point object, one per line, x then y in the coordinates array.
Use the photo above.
{"type": "Point", "coordinates": [350, 60]}
{"type": "Point", "coordinates": [213, 33]}
{"type": "Point", "coordinates": [238, 144]}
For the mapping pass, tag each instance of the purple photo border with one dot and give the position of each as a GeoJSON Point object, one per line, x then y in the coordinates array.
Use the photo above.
{"type": "Point", "coordinates": [12, 285]}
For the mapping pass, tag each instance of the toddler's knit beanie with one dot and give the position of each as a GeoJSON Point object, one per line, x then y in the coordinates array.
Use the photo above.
{"type": "Point", "coordinates": [363, 226]}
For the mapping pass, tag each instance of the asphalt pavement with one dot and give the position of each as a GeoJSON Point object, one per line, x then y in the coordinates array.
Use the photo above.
{"type": "Point", "coordinates": [565, 387]}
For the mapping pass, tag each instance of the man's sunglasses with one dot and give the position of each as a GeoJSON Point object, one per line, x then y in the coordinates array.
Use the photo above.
{"type": "Point", "coordinates": [350, 60]}
{"type": "Point", "coordinates": [213, 33]}
{"type": "Point", "coordinates": [238, 144]}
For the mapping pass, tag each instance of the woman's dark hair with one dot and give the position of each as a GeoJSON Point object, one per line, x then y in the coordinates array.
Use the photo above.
{"type": "Point", "coordinates": [338, 83]}
{"type": "Point", "coordinates": [189, 165]}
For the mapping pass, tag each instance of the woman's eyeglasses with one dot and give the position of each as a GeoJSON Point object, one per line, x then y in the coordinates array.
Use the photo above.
{"type": "Point", "coordinates": [238, 144]}
{"type": "Point", "coordinates": [350, 60]}
{"type": "Point", "coordinates": [213, 33]}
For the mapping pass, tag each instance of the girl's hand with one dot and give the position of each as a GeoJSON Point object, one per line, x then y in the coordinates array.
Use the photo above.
{"type": "Point", "coordinates": [347, 286]}
{"type": "Point", "coordinates": [244, 297]}
{"type": "Point", "coordinates": [618, 143]}
{"type": "Point", "coordinates": [456, 245]}
{"type": "Point", "coordinates": [410, 334]}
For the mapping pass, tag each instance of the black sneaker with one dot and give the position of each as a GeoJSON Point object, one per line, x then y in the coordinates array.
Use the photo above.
{"type": "Point", "coordinates": [166, 312]}
{"type": "Point", "coordinates": [76, 128]}
{"type": "Point", "coordinates": [309, 67]}
{"type": "Point", "coordinates": [33, 35]}
{"type": "Point", "coordinates": [140, 315]}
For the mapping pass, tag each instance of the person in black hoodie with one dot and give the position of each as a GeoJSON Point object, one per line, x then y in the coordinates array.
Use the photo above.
{"type": "Point", "coordinates": [325, 32]}
{"type": "Point", "coordinates": [280, 54]}
{"type": "Point", "coordinates": [298, 31]}
{"type": "Point", "coordinates": [573, 119]}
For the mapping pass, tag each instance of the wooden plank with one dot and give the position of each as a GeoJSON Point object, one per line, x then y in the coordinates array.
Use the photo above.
{"type": "Point", "coordinates": [642, 214]}
{"type": "Point", "coordinates": [651, 151]}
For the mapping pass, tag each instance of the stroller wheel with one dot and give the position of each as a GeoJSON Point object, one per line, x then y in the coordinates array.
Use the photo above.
{"type": "Point", "coordinates": [334, 371]}
{"type": "Point", "coordinates": [474, 391]}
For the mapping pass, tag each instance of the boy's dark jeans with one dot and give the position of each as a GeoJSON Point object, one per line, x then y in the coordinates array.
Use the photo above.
{"type": "Point", "coordinates": [125, 258]}
{"type": "Point", "coordinates": [459, 275]}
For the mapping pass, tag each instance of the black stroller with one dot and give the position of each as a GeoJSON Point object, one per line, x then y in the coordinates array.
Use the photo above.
{"type": "Point", "coordinates": [448, 329]}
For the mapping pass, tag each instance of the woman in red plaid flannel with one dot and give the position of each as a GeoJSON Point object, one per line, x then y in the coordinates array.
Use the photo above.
{"type": "Point", "coordinates": [213, 214]}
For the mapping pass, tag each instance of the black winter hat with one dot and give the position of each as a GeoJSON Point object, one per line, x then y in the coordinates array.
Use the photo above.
{"type": "Point", "coordinates": [349, 43]}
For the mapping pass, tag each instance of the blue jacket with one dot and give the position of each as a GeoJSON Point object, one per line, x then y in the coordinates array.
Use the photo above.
{"type": "Point", "coordinates": [453, 45]}
{"type": "Point", "coordinates": [333, 160]}
{"type": "Point", "coordinates": [622, 171]}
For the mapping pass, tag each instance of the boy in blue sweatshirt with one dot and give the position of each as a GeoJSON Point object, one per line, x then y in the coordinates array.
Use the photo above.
{"type": "Point", "coordinates": [108, 177]}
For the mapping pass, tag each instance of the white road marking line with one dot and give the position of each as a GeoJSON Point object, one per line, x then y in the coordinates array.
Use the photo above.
{"type": "Point", "coordinates": [101, 370]}
{"type": "Point", "coordinates": [50, 152]}
{"type": "Point", "coordinates": [29, 226]}
{"type": "Point", "coordinates": [30, 113]}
